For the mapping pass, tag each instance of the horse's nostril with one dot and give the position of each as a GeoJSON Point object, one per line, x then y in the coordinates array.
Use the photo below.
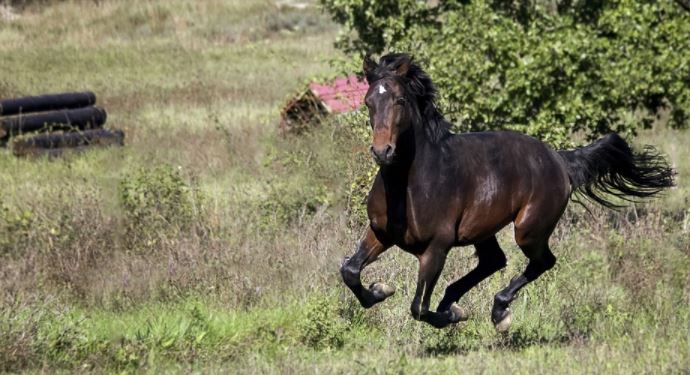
{"type": "Point", "coordinates": [389, 151]}
{"type": "Point", "coordinates": [373, 153]}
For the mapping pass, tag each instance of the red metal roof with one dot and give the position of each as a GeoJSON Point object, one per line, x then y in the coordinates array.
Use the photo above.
{"type": "Point", "coordinates": [342, 95]}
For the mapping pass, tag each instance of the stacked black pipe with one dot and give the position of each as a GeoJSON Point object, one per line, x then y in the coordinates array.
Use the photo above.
{"type": "Point", "coordinates": [71, 120]}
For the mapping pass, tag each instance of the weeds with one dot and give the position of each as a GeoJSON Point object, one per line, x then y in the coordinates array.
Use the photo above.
{"type": "Point", "coordinates": [158, 203]}
{"type": "Point", "coordinates": [322, 327]}
{"type": "Point", "coordinates": [118, 260]}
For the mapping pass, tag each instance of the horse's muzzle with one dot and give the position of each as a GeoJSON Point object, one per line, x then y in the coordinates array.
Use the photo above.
{"type": "Point", "coordinates": [383, 155]}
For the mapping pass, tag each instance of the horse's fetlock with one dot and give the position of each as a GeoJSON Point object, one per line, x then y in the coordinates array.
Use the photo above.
{"type": "Point", "coordinates": [417, 310]}
{"type": "Point", "coordinates": [444, 305]}
{"type": "Point", "coordinates": [502, 300]}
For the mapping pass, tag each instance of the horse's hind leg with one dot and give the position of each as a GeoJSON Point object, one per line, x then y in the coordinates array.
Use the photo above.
{"type": "Point", "coordinates": [368, 250]}
{"type": "Point", "coordinates": [490, 259]}
{"type": "Point", "coordinates": [533, 226]}
{"type": "Point", "coordinates": [540, 260]}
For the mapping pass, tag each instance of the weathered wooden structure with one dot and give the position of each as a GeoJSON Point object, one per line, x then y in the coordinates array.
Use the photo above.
{"type": "Point", "coordinates": [341, 95]}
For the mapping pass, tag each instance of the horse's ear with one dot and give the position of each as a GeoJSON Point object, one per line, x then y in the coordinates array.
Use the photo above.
{"type": "Point", "coordinates": [403, 65]}
{"type": "Point", "coordinates": [369, 66]}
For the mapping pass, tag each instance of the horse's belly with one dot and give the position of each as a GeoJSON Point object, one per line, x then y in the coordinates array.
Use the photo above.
{"type": "Point", "coordinates": [478, 224]}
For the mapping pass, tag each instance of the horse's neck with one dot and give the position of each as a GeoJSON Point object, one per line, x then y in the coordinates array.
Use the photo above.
{"type": "Point", "coordinates": [418, 162]}
{"type": "Point", "coordinates": [426, 152]}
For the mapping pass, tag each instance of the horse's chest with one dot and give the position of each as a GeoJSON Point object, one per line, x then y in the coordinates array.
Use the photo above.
{"type": "Point", "coordinates": [407, 220]}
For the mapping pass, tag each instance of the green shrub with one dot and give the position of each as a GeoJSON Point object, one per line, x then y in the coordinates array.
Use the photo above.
{"type": "Point", "coordinates": [18, 328]}
{"type": "Point", "coordinates": [64, 340]}
{"type": "Point", "coordinates": [361, 169]}
{"type": "Point", "coordinates": [31, 336]}
{"type": "Point", "coordinates": [285, 203]}
{"type": "Point", "coordinates": [323, 327]}
{"type": "Point", "coordinates": [15, 229]}
{"type": "Point", "coordinates": [548, 68]}
{"type": "Point", "coordinates": [308, 172]}
{"type": "Point", "coordinates": [158, 200]}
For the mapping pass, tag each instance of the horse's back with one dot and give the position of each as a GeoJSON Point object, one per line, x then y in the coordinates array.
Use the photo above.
{"type": "Point", "coordinates": [511, 157]}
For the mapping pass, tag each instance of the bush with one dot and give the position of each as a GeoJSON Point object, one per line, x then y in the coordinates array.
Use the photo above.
{"type": "Point", "coordinates": [285, 204]}
{"type": "Point", "coordinates": [548, 68]}
{"type": "Point", "coordinates": [158, 200]}
{"type": "Point", "coordinates": [361, 169]}
{"type": "Point", "coordinates": [323, 328]}
{"type": "Point", "coordinates": [16, 228]}
{"type": "Point", "coordinates": [18, 329]}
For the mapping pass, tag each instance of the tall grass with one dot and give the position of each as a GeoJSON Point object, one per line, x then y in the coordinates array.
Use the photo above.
{"type": "Point", "coordinates": [211, 243]}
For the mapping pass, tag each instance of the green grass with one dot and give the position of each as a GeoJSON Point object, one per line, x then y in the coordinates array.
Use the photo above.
{"type": "Point", "coordinates": [229, 261]}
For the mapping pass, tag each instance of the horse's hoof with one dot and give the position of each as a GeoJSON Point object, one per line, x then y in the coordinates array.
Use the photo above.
{"type": "Point", "coordinates": [381, 290]}
{"type": "Point", "coordinates": [458, 314]}
{"type": "Point", "coordinates": [506, 321]}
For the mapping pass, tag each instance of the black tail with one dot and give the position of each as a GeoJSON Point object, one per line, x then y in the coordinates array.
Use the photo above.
{"type": "Point", "coordinates": [610, 167]}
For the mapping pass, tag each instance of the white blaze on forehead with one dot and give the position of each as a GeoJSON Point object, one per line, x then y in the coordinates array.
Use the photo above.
{"type": "Point", "coordinates": [381, 89]}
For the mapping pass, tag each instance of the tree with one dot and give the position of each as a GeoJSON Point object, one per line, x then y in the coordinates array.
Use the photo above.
{"type": "Point", "coordinates": [548, 68]}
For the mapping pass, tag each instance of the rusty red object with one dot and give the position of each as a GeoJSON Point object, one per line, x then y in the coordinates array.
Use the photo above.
{"type": "Point", "coordinates": [341, 95]}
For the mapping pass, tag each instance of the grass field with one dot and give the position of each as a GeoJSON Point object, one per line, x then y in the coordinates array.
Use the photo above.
{"type": "Point", "coordinates": [210, 243]}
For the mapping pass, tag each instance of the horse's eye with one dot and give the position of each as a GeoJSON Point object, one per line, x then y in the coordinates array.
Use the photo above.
{"type": "Point", "coordinates": [400, 101]}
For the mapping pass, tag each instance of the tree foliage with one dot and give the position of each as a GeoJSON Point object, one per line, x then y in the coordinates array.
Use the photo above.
{"type": "Point", "coordinates": [548, 68]}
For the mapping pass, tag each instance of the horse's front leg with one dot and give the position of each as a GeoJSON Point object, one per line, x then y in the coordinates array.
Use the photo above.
{"type": "Point", "coordinates": [368, 250]}
{"type": "Point", "coordinates": [431, 264]}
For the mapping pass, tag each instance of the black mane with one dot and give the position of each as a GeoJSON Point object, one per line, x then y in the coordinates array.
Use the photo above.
{"type": "Point", "coordinates": [420, 86]}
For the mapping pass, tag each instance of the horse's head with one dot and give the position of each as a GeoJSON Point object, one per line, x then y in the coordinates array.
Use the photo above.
{"type": "Point", "coordinates": [390, 106]}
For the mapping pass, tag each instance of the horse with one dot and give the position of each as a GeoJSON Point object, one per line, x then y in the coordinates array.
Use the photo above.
{"type": "Point", "coordinates": [436, 189]}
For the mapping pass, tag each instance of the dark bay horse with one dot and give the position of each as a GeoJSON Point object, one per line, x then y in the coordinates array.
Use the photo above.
{"type": "Point", "coordinates": [436, 189]}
